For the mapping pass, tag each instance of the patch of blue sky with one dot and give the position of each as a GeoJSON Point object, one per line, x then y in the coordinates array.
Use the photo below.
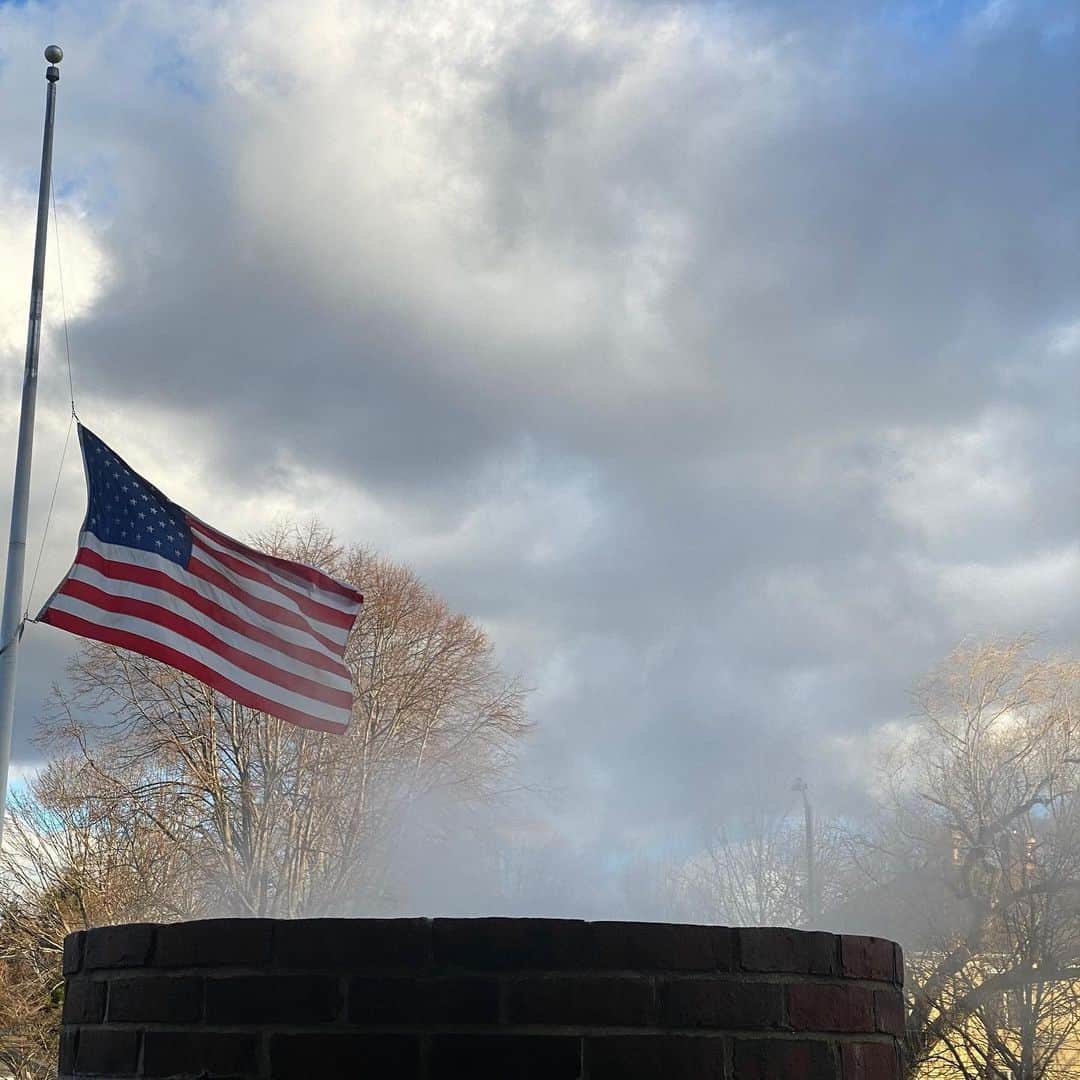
{"type": "Point", "coordinates": [932, 19]}
{"type": "Point", "coordinates": [68, 188]}
{"type": "Point", "coordinates": [21, 777]}
{"type": "Point", "coordinates": [87, 183]}
{"type": "Point", "coordinates": [175, 71]}
{"type": "Point", "coordinates": [944, 22]}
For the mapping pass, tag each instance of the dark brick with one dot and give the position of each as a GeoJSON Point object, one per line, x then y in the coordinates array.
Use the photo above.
{"type": "Point", "coordinates": [655, 1057]}
{"type": "Point", "coordinates": [898, 963]}
{"type": "Point", "coordinates": [579, 999]}
{"type": "Point", "coordinates": [773, 1059]}
{"type": "Point", "coordinates": [452, 1000]}
{"type": "Point", "coordinates": [642, 946]}
{"type": "Point", "coordinates": [509, 944]}
{"type": "Point", "coordinates": [721, 1004]}
{"type": "Point", "coordinates": [160, 999]}
{"type": "Point", "coordinates": [73, 952]}
{"type": "Point", "coordinates": [119, 946]}
{"type": "Point", "coordinates": [215, 943]}
{"type": "Point", "coordinates": [460, 1001]}
{"type": "Point", "coordinates": [889, 1012]}
{"type": "Point", "coordinates": [504, 1057]}
{"type": "Point", "coordinates": [870, 1061]}
{"type": "Point", "coordinates": [765, 949]}
{"type": "Point", "coordinates": [868, 958]}
{"type": "Point", "coordinates": [815, 1007]}
{"type": "Point", "coordinates": [353, 944]}
{"type": "Point", "coordinates": [68, 1043]}
{"type": "Point", "coordinates": [796, 952]}
{"type": "Point", "coordinates": [84, 1002]}
{"type": "Point", "coordinates": [343, 1057]}
{"type": "Point", "coordinates": [823, 953]}
{"type": "Point", "coordinates": [374, 1000]}
{"type": "Point", "coordinates": [167, 1053]}
{"type": "Point", "coordinates": [273, 999]}
{"type": "Point", "coordinates": [114, 1051]}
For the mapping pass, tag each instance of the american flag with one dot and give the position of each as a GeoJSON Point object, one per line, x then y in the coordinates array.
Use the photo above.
{"type": "Point", "coordinates": [153, 578]}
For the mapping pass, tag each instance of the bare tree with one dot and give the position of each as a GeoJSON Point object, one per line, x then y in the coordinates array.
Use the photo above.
{"type": "Point", "coordinates": [977, 848]}
{"type": "Point", "coordinates": [69, 862]}
{"type": "Point", "coordinates": [752, 870]}
{"type": "Point", "coordinates": [275, 820]}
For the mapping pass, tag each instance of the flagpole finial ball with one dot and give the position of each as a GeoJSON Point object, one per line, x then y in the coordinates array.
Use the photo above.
{"type": "Point", "coordinates": [54, 54]}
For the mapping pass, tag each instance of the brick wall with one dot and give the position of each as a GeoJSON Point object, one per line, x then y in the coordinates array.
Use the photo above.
{"type": "Point", "coordinates": [478, 998]}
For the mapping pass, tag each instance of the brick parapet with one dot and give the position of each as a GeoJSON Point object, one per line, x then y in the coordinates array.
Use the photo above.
{"type": "Point", "coordinates": [434, 999]}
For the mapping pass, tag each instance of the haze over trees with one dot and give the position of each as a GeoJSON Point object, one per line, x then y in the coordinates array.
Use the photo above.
{"type": "Point", "coordinates": [970, 857]}
{"type": "Point", "coordinates": [163, 800]}
{"type": "Point", "coordinates": [975, 851]}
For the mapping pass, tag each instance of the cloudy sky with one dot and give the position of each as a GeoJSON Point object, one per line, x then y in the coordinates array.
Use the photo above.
{"type": "Point", "coordinates": [721, 358]}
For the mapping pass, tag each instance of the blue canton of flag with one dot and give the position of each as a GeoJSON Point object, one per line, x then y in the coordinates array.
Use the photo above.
{"type": "Point", "coordinates": [123, 508]}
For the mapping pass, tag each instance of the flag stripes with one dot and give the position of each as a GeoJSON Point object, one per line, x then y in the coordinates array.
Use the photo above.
{"type": "Point", "coordinates": [196, 603]}
{"type": "Point", "coordinates": [181, 659]}
{"type": "Point", "coordinates": [268, 585]}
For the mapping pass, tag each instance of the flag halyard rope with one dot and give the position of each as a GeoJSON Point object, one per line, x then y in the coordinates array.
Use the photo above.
{"type": "Point", "coordinates": [63, 300]}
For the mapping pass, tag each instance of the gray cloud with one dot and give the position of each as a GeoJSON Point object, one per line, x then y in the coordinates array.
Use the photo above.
{"type": "Point", "coordinates": [717, 358]}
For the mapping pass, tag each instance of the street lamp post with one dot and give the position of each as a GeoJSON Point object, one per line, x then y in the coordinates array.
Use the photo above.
{"type": "Point", "coordinates": [811, 857]}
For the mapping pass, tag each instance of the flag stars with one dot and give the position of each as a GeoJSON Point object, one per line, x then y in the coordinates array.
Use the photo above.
{"type": "Point", "coordinates": [125, 509]}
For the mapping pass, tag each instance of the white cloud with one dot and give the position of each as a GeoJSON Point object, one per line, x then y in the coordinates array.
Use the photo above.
{"type": "Point", "coordinates": [79, 252]}
{"type": "Point", "coordinates": [948, 483]}
{"type": "Point", "coordinates": [1025, 595]}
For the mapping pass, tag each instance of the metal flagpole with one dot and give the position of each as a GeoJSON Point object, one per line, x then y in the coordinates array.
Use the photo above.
{"type": "Point", "coordinates": [11, 625]}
